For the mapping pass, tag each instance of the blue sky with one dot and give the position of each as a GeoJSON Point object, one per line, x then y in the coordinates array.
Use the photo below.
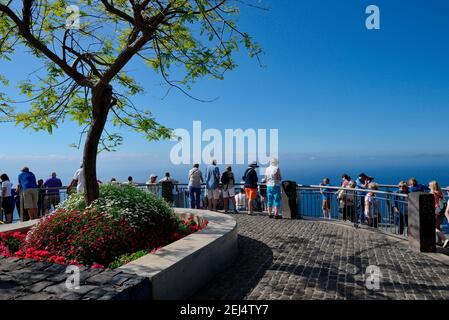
{"type": "Point", "coordinates": [341, 96]}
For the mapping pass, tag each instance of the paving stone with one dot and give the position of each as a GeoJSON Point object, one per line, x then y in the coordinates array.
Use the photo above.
{"type": "Point", "coordinates": [103, 277]}
{"type": "Point", "coordinates": [305, 259]}
{"type": "Point", "coordinates": [40, 286]}
{"type": "Point", "coordinates": [37, 296]}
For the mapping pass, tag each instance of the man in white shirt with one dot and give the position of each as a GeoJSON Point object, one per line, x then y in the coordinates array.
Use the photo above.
{"type": "Point", "coordinates": [79, 179]}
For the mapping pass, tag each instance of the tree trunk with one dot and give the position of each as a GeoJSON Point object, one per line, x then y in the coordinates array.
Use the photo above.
{"type": "Point", "coordinates": [101, 103]}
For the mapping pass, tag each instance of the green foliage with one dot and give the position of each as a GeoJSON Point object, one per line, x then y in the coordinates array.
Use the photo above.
{"type": "Point", "coordinates": [127, 258]}
{"type": "Point", "coordinates": [141, 209]}
{"type": "Point", "coordinates": [75, 202]}
{"type": "Point", "coordinates": [194, 40]}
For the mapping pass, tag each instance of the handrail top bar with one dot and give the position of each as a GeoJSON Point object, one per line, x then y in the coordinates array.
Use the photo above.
{"type": "Point", "coordinates": [355, 189]}
{"type": "Point", "coordinates": [241, 184]}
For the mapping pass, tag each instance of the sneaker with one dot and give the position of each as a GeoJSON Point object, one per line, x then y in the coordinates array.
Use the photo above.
{"type": "Point", "coordinates": [446, 243]}
{"type": "Point", "coordinates": [270, 216]}
{"type": "Point", "coordinates": [278, 217]}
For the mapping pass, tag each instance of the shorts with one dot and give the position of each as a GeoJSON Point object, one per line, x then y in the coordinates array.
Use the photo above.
{"type": "Point", "coordinates": [274, 196]}
{"type": "Point", "coordinates": [251, 194]}
{"type": "Point", "coordinates": [8, 205]}
{"type": "Point", "coordinates": [326, 204]}
{"type": "Point", "coordinates": [230, 193]}
{"type": "Point", "coordinates": [30, 198]}
{"type": "Point", "coordinates": [52, 200]}
{"type": "Point", "coordinates": [213, 193]}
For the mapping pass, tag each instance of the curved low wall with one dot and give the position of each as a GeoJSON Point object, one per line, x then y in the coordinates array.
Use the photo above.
{"type": "Point", "coordinates": [180, 269]}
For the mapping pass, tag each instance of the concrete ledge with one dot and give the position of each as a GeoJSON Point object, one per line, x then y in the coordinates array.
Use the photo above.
{"type": "Point", "coordinates": [178, 270]}
{"type": "Point", "coordinates": [18, 226]}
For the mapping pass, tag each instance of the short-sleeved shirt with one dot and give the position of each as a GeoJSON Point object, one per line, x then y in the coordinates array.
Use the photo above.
{"type": "Point", "coordinates": [79, 175]}
{"type": "Point", "coordinates": [371, 206]}
{"type": "Point", "coordinates": [212, 177]}
{"type": "Point", "coordinates": [195, 178]}
{"type": "Point", "coordinates": [273, 176]}
{"type": "Point", "coordinates": [8, 186]}
{"type": "Point", "coordinates": [27, 180]}
{"type": "Point", "coordinates": [53, 184]}
{"type": "Point", "coordinates": [326, 192]}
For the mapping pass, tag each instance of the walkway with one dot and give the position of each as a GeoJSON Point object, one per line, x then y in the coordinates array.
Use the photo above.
{"type": "Point", "coordinates": [306, 259]}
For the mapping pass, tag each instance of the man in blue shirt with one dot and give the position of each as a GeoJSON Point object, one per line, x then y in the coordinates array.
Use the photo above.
{"type": "Point", "coordinates": [30, 192]}
{"type": "Point", "coordinates": [212, 185]}
{"type": "Point", "coordinates": [361, 183]}
{"type": "Point", "coordinates": [52, 197]}
{"type": "Point", "coordinates": [414, 186]}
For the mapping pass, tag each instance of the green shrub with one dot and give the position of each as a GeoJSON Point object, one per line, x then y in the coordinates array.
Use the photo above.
{"type": "Point", "coordinates": [142, 210]}
{"type": "Point", "coordinates": [127, 258]}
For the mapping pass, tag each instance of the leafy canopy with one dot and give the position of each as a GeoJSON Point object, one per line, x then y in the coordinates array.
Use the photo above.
{"type": "Point", "coordinates": [191, 39]}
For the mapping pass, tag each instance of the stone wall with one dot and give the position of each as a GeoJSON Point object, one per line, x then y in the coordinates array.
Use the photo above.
{"type": "Point", "coordinates": [25, 279]}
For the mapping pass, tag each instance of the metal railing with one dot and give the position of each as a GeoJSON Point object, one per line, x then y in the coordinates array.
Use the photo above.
{"type": "Point", "coordinates": [390, 208]}
{"type": "Point", "coordinates": [387, 211]}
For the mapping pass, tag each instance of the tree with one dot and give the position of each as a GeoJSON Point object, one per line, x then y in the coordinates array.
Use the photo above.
{"type": "Point", "coordinates": [85, 47]}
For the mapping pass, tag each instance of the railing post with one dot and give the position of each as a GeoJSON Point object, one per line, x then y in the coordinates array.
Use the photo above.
{"type": "Point", "coordinates": [421, 222]}
{"type": "Point", "coordinates": [289, 203]}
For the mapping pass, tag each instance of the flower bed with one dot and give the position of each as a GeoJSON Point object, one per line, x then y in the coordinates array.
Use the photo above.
{"type": "Point", "coordinates": [124, 224]}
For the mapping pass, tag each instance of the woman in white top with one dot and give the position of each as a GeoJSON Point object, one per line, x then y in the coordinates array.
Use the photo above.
{"type": "Point", "coordinates": [372, 206]}
{"type": "Point", "coordinates": [273, 180]}
{"type": "Point", "coordinates": [7, 202]}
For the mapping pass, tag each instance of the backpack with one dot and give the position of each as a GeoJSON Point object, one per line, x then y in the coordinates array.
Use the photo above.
{"type": "Point", "coordinates": [246, 174]}
{"type": "Point", "coordinates": [167, 191]}
{"type": "Point", "coordinates": [225, 178]}
{"type": "Point", "coordinates": [442, 205]}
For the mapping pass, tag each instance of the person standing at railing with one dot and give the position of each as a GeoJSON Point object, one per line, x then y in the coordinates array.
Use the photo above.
{"type": "Point", "coordinates": [228, 182]}
{"type": "Point", "coordinates": [251, 179]}
{"type": "Point", "coordinates": [240, 200]}
{"type": "Point", "coordinates": [130, 181]}
{"type": "Point", "coordinates": [326, 199]}
{"type": "Point", "coordinates": [372, 207]}
{"type": "Point", "coordinates": [212, 185]}
{"type": "Point", "coordinates": [78, 180]}
{"type": "Point", "coordinates": [440, 209]}
{"type": "Point", "coordinates": [345, 179]}
{"type": "Point", "coordinates": [17, 194]}
{"type": "Point", "coordinates": [400, 207]}
{"type": "Point", "coordinates": [52, 198]}
{"type": "Point", "coordinates": [167, 185]}
{"type": "Point", "coordinates": [195, 181]}
{"type": "Point", "coordinates": [347, 203]}
{"type": "Point", "coordinates": [447, 209]}
{"type": "Point", "coordinates": [414, 186]}
{"type": "Point", "coordinates": [361, 183]}
{"type": "Point", "coordinates": [273, 180]}
{"type": "Point", "coordinates": [7, 200]}
{"type": "Point", "coordinates": [30, 192]}
{"type": "Point", "coordinates": [152, 185]}
{"type": "Point", "coordinates": [41, 198]}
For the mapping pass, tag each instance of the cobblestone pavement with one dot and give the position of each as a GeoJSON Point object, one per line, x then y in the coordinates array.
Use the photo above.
{"type": "Point", "coordinates": [25, 279]}
{"type": "Point", "coordinates": [306, 259]}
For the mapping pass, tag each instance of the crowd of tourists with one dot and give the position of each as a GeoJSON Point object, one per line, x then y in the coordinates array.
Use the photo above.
{"type": "Point", "coordinates": [36, 197]}
{"type": "Point", "coordinates": [250, 197]}
{"type": "Point", "coordinates": [358, 202]}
